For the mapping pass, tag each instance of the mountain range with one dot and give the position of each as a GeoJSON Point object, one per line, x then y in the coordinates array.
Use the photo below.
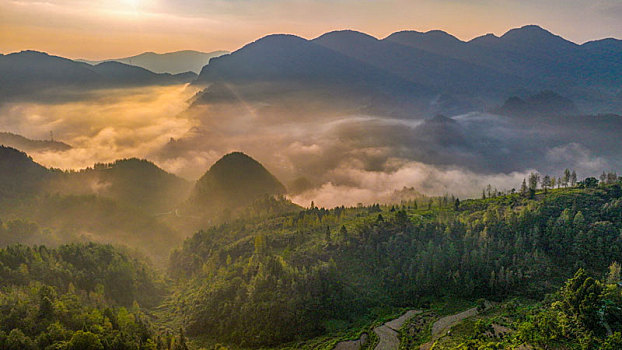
{"type": "Point", "coordinates": [170, 62]}
{"type": "Point", "coordinates": [405, 74]}
{"type": "Point", "coordinates": [32, 74]}
{"type": "Point", "coordinates": [132, 201]}
{"type": "Point", "coordinates": [413, 66]}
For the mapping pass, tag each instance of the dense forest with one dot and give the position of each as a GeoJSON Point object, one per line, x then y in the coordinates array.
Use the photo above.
{"type": "Point", "coordinates": [546, 256]}
{"type": "Point", "coordinates": [79, 296]}
{"type": "Point", "coordinates": [293, 277]}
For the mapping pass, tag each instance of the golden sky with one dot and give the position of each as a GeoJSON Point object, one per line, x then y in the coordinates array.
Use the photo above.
{"type": "Point", "coordinates": [96, 29]}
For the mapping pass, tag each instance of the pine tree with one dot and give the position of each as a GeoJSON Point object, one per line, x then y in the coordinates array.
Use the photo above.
{"type": "Point", "coordinates": [546, 183]}
{"type": "Point", "coordinates": [343, 232]}
{"type": "Point", "coordinates": [523, 188]}
{"type": "Point", "coordinates": [566, 177]}
{"type": "Point", "coordinates": [573, 179]}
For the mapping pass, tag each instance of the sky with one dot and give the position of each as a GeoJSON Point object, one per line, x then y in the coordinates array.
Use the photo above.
{"type": "Point", "coordinates": [97, 29]}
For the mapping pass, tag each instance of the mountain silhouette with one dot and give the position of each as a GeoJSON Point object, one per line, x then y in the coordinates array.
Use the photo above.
{"type": "Point", "coordinates": [135, 182]}
{"type": "Point", "coordinates": [29, 73]}
{"type": "Point", "coordinates": [27, 145]}
{"type": "Point", "coordinates": [19, 174]}
{"type": "Point", "coordinates": [234, 181]}
{"type": "Point", "coordinates": [170, 62]}
{"type": "Point", "coordinates": [408, 66]}
{"type": "Point", "coordinates": [545, 103]}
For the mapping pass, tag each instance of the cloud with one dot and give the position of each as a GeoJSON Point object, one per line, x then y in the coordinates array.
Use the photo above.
{"type": "Point", "coordinates": [108, 125]}
{"type": "Point", "coordinates": [369, 187]}
{"type": "Point", "coordinates": [579, 157]}
{"type": "Point", "coordinates": [343, 158]}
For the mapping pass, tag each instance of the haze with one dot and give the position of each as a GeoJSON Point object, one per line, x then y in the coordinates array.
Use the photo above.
{"type": "Point", "coordinates": [118, 28]}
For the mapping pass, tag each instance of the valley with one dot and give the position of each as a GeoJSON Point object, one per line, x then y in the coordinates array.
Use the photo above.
{"type": "Point", "coordinates": [332, 189]}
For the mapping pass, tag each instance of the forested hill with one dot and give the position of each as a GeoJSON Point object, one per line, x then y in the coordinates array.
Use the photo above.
{"type": "Point", "coordinates": [297, 276]}
{"type": "Point", "coordinates": [234, 180]}
{"type": "Point", "coordinates": [545, 259]}
{"type": "Point", "coordinates": [79, 297]}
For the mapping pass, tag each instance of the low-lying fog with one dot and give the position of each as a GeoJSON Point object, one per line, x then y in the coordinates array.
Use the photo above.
{"type": "Point", "coordinates": [330, 157]}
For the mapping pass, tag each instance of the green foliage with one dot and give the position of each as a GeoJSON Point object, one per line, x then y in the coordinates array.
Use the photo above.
{"type": "Point", "coordinates": [96, 269]}
{"type": "Point", "coordinates": [269, 281]}
{"type": "Point", "coordinates": [73, 297]}
{"type": "Point", "coordinates": [84, 341]}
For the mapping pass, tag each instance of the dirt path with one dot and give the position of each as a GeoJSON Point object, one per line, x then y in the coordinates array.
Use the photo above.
{"type": "Point", "coordinates": [447, 322]}
{"type": "Point", "coordinates": [441, 326]}
{"type": "Point", "coordinates": [388, 335]}
{"type": "Point", "coordinates": [350, 344]}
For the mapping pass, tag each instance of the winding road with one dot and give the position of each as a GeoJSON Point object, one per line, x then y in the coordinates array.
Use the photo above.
{"type": "Point", "coordinates": [388, 334]}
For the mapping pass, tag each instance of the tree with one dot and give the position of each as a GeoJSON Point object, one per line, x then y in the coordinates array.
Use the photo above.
{"type": "Point", "coordinates": [613, 342]}
{"type": "Point", "coordinates": [603, 178]}
{"type": "Point", "coordinates": [553, 182]}
{"type": "Point", "coordinates": [590, 182]}
{"type": "Point", "coordinates": [84, 341]}
{"type": "Point", "coordinates": [327, 234]}
{"type": "Point", "coordinates": [546, 183]}
{"type": "Point", "coordinates": [344, 232]}
{"type": "Point", "coordinates": [534, 179]}
{"type": "Point", "coordinates": [181, 344]}
{"type": "Point", "coordinates": [613, 276]}
{"type": "Point", "coordinates": [18, 341]}
{"type": "Point", "coordinates": [612, 177]}
{"type": "Point", "coordinates": [523, 188]}
{"type": "Point", "coordinates": [581, 299]}
{"type": "Point", "coordinates": [566, 177]}
{"type": "Point", "coordinates": [573, 179]}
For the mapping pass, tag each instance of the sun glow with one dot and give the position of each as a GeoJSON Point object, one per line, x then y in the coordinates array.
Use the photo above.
{"type": "Point", "coordinates": [132, 5]}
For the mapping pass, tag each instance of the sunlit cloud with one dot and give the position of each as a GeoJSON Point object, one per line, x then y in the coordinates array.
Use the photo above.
{"type": "Point", "coordinates": [109, 125]}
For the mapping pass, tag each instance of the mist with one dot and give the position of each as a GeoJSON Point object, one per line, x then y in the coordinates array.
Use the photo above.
{"type": "Point", "coordinates": [343, 156]}
{"type": "Point", "coordinates": [102, 126]}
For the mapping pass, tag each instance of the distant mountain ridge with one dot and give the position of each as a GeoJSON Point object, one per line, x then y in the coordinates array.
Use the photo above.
{"type": "Point", "coordinates": [409, 65]}
{"type": "Point", "coordinates": [170, 62]}
{"type": "Point", "coordinates": [30, 73]}
{"type": "Point", "coordinates": [545, 103]}
{"type": "Point", "coordinates": [135, 182]}
{"type": "Point", "coordinates": [25, 144]}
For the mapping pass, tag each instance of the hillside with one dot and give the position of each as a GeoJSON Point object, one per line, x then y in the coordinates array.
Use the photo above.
{"type": "Point", "coordinates": [309, 278]}
{"type": "Point", "coordinates": [109, 203]}
{"type": "Point", "coordinates": [411, 65]}
{"type": "Point", "coordinates": [233, 182]}
{"type": "Point", "coordinates": [286, 71]}
{"type": "Point", "coordinates": [134, 182]}
{"type": "Point", "coordinates": [322, 272]}
{"type": "Point", "coordinates": [78, 296]}
{"type": "Point", "coordinates": [19, 174]}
